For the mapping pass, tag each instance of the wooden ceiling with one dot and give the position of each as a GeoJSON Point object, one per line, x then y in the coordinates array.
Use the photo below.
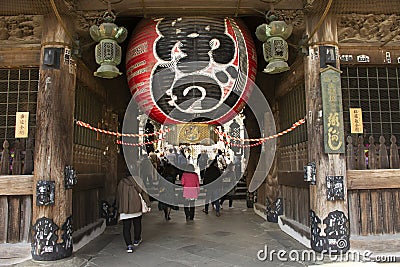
{"type": "Point", "coordinates": [145, 8]}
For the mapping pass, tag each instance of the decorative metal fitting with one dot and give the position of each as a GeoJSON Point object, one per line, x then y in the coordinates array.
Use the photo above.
{"type": "Point", "coordinates": [70, 177]}
{"type": "Point", "coordinates": [45, 191]}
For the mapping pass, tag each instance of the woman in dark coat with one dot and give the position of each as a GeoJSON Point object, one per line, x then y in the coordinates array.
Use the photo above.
{"type": "Point", "coordinates": [166, 189]}
{"type": "Point", "coordinates": [211, 174]}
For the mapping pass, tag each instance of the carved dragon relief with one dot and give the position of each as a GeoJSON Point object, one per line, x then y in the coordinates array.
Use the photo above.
{"type": "Point", "coordinates": [294, 17]}
{"type": "Point", "coordinates": [369, 28]}
{"type": "Point", "coordinates": [22, 28]}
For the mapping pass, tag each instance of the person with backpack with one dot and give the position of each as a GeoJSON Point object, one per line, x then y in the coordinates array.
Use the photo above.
{"type": "Point", "coordinates": [221, 162]}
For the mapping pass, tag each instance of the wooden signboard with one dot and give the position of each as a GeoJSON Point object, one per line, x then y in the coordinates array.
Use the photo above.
{"type": "Point", "coordinates": [21, 124]}
{"type": "Point", "coordinates": [356, 121]}
{"type": "Point", "coordinates": [332, 110]}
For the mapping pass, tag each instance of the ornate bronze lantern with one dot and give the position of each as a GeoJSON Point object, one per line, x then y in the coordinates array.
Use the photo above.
{"type": "Point", "coordinates": [108, 52]}
{"type": "Point", "coordinates": [275, 47]}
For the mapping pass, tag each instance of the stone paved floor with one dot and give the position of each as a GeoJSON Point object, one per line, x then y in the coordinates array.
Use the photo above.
{"type": "Point", "coordinates": [230, 240]}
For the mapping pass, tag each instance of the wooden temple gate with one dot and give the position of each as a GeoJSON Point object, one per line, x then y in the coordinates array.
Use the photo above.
{"type": "Point", "coordinates": [370, 81]}
{"type": "Point", "coordinates": [367, 203]}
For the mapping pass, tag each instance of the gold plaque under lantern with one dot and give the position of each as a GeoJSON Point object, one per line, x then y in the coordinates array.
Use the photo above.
{"type": "Point", "coordinates": [192, 133]}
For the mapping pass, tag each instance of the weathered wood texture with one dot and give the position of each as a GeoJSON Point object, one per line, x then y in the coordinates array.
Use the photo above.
{"type": "Point", "coordinates": [295, 179]}
{"type": "Point", "coordinates": [54, 132]}
{"type": "Point", "coordinates": [373, 190]}
{"type": "Point", "coordinates": [380, 155]}
{"type": "Point", "coordinates": [87, 159]}
{"type": "Point", "coordinates": [376, 57]}
{"type": "Point", "coordinates": [87, 195]}
{"type": "Point", "coordinates": [326, 164]}
{"type": "Point", "coordinates": [373, 179]}
{"type": "Point", "coordinates": [374, 212]}
{"type": "Point", "coordinates": [11, 185]}
{"type": "Point", "coordinates": [15, 218]}
{"type": "Point", "coordinates": [293, 157]}
{"type": "Point", "coordinates": [109, 160]}
{"type": "Point", "coordinates": [85, 76]}
{"type": "Point", "coordinates": [19, 56]}
{"type": "Point", "coordinates": [291, 79]}
{"type": "Point", "coordinates": [296, 203]}
{"type": "Point", "coordinates": [22, 161]}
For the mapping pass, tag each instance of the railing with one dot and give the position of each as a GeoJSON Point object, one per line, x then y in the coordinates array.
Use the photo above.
{"type": "Point", "coordinates": [372, 155]}
{"type": "Point", "coordinates": [15, 208]}
{"type": "Point", "coordinates": [293, 157]}
{"type": "Point", "coordinates": [16, 181]}
{"type": "Point", "coordinates": [373, 183]}
{"type": "Point", "coordinates": [16, 189]}
{"type": "Point", "coordinates": [17, 159]}
{"type": "Point", "coordinates": [293, 189]}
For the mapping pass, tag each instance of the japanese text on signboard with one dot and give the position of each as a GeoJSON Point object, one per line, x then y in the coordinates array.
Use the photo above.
{"type": "Point", "coordinates": [332, 111]}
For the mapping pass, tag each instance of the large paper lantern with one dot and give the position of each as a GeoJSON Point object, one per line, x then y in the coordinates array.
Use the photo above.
{"type": "Point", "coordinates": [191, 69]}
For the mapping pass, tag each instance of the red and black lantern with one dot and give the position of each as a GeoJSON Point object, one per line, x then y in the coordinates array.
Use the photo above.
{"type": "Point", "coordinates": [191, 69]}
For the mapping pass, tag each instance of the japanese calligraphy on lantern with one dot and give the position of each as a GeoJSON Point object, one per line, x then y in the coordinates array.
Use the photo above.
{"type": "Point", "coordinates": [356, 121]}
{"type": "Point", "coordinates": [21, 124]}
{"type": "Point", "coordinates": [191, 69]}
{"type": "Point", "coordinates": [332, 110]}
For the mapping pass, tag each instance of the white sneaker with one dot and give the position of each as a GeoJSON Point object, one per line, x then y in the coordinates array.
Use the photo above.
{"type": "Point", "coordinates": [129, 249]}
{"type": "Point", "coordinates": [137, 242]}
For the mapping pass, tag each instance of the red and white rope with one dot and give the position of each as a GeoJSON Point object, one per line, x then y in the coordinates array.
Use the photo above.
{"type": "Point", "coordinates": [258, 140]}
{"type": "Point", "coordinates": [294, 126]}
{"type": "Point", "coordinates": [87, 125]}
{"type": "Point", "coordinates": [119, 142]}
{"type": "Point", "coordinates": [240, 145]}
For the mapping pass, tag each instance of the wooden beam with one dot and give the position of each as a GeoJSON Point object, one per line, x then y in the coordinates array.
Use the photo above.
{"type": "Point", "coordinates": [89, 181]}
{"type": "Point", "coordinates": [373, 179]}
{"type": "Point", "coordinates": [295, 179]}
{"type": "Point", "coordinates": [291, 79]}
{"type": "Point", "coordinates": [377, 55]}
{"type": "Point", "coordinates": [86, 77]}
{"type": "Point", "coordinates": [13, 185]}
{"type": "Point", "coordinates": [20, 56]}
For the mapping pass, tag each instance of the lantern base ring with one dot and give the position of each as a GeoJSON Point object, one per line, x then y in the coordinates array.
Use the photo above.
{"type": "Point", "coordinates": [107, 71]}
{"type": "Point", "coordinates": [276, 67]}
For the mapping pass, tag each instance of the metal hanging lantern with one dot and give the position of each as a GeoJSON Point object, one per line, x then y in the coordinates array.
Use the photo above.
{"type": "Point", "coordinates": [275, 47]}
{"type": "Point", "coordinates": [108, 52]}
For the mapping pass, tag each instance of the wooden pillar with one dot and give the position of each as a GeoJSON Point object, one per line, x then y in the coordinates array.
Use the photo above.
{"type": "Point", "coordinates": [329, 218]}
{"type": "Point", "coordinates": [52, 210]}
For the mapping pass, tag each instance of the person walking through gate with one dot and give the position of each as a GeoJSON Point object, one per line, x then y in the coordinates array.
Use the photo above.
{"type": "Point", "coordinates": [166, 190]}
{"type": "Point", "coordinates": [221, 161]}
{"type": "Point", "coordinates": [130, 209]}
{"type": "Point", "coordinates": [191, 190]}
{"type": "Point", "coordinates": [182, 163]}
{"type": "Point", "coordinates": [211, 174]}
{"type": "Point", "coordinates": [202, 160]}
{"type": "Point", "coordinates": [228, 183]}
